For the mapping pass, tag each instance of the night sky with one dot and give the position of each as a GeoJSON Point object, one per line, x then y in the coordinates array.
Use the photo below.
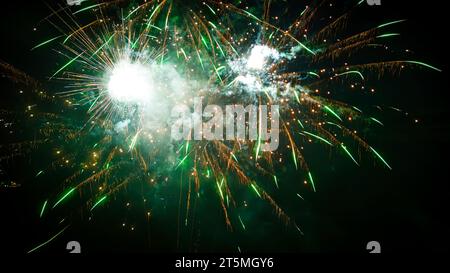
{"type": "Point", "coordinates": [403, 209]}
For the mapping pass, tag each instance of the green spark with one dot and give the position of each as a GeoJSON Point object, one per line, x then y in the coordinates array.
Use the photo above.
{"type": "Point", "coordinates": [99, 202]}
{"type": "Point", "coordinates": [87, 8]}
{"type": "Point", "coordinates": [294, 157]}
{"type": "Point", "coordinates": [393, 108]}
{"type": "Point", "coordinates": [377, 121]}
{"type": "Point", "coordinates": [200, 59]}
{"type": "Point", "coordinates": [357, 109]}
{"type": "Point", "coordinates": [43, 208]}
{"type": "Point", "coordinates": [220, 48]}
{"type": "Point", "coordinates": [349, 154]}
{"type": "Point", "coordinates": [314, 74]}
{"type": "Point", "coordinates": [46, 42]}
{"type": "Point", "coordinates": [312, 181]}
{"type": "Point", "coordinates": [302, 45]}
{"type": "Point", "coordinates": [155, 27]}
{"type": "Point", "coordinates": [352, 72]}
{"type": "Point", "coordinates": [388, 35]}
{"type": "Point", "coordinates": [217, 70]}
{"type": "Point", "coordinates": [318, 137]}
{"type": "Point", "coordinates": [234, 157]}
{"type": "Point", "coordinates": [134, 141]}
{"type": "Point", "coordinates": [184, 53]}
{"type": "Point", "coordinates": [92, 106]}
{"type": "Point", "coordinates": [232, 82]}
{"type": "Point", "coordinates": [332, 112]}
{"type": "Point", "coordinates": [424, 64]}
{"type": "Point", "coordinates": [102, 46]}
{"type": "Point", "coordinates": [276, 181]}
{"type": "Point", "coordinates": [204, 42]}
{"type": "Point", "coordinates": [64, 197]}
{"type": "Point", "coordinates": [48, 241]}
{"type": "Point", "coordinates": [220, 189]}
{"type": "Point", "coordinates": [153, 13]}
{"type": "Point", "coordinates": [242, 223]}
{"type": "Point", "coordinates": [296, 96]}
{"type": "Point", "coordinates": [182, 160]}
{"type": "Point", "coordinates": [211, 23]}
{"type": "Point", "coordinates": [251, 15]}
{"type": "Point", "coordinates": [39, 173]}
{"type": "Point", "coordinates": [166, 25]}
{"type": "Point", "coordinates": [187, 147]}
{"type": "Point", "coordinates": [334, 124]}
{"type": "Point", "coordinates": [210, 9]}
{"type": "Point", "coordinates": [256, 190]}
{"type": "Point", "coordinates": [299, 230]}
{"type": "Point", "coordinates": [381, 158]}
{"type": "Point", "coordinates": [67, 64]}
{"type": "Point", "coordinates": [179, 149]}
{"type": "Point", "coordinates": [131, 13]}
{"type": "Point", "coordinates": [391, 23]}
{"type": "Point", "coordinates": [231, 46]}
{"type": "Point", "coordinates": [303, 12]}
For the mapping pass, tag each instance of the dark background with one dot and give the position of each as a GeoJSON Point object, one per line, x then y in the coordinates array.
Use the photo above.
{"type": "Point", "coordinates": [404, 209]}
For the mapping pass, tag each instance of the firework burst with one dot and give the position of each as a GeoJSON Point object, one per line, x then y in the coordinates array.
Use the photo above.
{"type": "Point", "coordinates": [129, 64]}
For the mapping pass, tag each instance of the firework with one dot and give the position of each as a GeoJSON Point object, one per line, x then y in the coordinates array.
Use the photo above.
{"type": "Point", "coordinates": [125, 69]}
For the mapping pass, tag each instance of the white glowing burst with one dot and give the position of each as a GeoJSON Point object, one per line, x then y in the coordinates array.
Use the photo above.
{"type": "Point", "coordinates": [253, 71]}
{"type": "Point", "coordinates": [260, 55]}
{"type": "Point", "coordinates": [131, 82]}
